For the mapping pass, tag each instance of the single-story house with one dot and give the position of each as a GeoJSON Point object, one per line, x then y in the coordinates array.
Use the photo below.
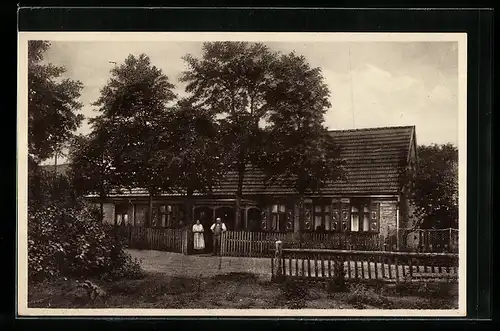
{"type": "Point", "coordinates": [372, 197]}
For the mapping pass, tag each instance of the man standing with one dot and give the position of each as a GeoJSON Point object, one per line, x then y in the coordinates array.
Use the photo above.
{"type": "Point", "coordinates": [217, 229]}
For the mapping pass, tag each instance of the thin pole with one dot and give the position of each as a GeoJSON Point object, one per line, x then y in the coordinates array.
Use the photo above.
{"type": "Point", "coordinates": [352, 89]}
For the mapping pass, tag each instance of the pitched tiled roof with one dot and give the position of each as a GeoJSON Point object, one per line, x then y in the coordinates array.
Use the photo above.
{"type": "Point", "coordinates": [373, 160]}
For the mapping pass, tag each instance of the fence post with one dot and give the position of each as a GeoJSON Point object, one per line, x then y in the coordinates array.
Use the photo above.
{"type": "Point", "coordinates": [277, 262]}
{"type": "Point", "coordinates": [450, 242]}
{"type": "Point", "coordinates": [184, 241]}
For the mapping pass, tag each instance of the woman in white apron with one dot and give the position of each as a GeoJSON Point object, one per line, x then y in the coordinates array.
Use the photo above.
{"type": "Point", "coordinates": [199, 240]}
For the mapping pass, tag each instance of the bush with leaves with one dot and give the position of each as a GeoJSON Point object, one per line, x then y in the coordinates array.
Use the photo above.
{"type": "Point", "coordinates": [295, 293]}
{"type": "Point", "coordinates": [72, 242]}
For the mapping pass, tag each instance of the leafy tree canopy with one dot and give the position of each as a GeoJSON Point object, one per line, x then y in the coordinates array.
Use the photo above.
{"type": "Point", "coordinates": [231, 79]}
{"type": "Point", "coordinates": [52, 104]}
{"type": "Point", "coordinates": [299, 150]}
{"type": "Point", "coordinates": [436, 186]}
{"type": "Point", "coordinates": [194, 147]}
{"type": "Point", "coordinates": [134, 108]}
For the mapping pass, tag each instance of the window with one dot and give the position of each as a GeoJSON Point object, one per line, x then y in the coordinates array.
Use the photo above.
{"type": "Point", "coordinates": [278, 217]}
{"type": "Point", "coordinates": [354, 219]}
{"type": "Point", "coordinates": [121, 215]}
{"type": "Point", "coordinates": [364, 217]}
{"type": "Point", "coordinates": [321, 217]}
{"type": "Point", "coordinates": [169, 216]}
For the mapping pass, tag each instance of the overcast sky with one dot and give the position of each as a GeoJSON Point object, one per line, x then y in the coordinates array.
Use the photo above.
{"type": "Point", "coordinates": [372, 84]}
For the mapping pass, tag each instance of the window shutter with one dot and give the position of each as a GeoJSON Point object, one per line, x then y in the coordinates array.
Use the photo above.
{"type": "Point", "coordinates": [375, 217]}
{"type": "Point", "coordinates": [308, 218]}
{"type": "Point", "coordinates": [263, 223]}
{"type": "Point", "coordinates": [345, 216]}
{"type": "Point", "coordinates": [289, 218]}
{"type": "Point", "coordinates": [335, 216]}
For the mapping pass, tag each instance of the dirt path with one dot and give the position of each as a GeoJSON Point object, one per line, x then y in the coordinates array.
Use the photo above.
{"type": "Point", "coordinates": [176, 264]}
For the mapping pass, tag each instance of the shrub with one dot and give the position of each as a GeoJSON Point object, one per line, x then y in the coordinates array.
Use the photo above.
{"type": "Point", "coordinates": [295, 293]}
{"type": "Point", "coordinates": [71, 241]}
{"type": "Point", "coordinates": [338, 283]}
{"type": "Point", "coordinates": [360, 295]}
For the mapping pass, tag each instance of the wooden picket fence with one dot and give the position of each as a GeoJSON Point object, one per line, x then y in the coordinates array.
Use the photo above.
{"type": "Point", "coordinates": [323, 264]}
{"type": "Point", "coordinates": [171, 240]}
{"type": "Point", "coordinates": [435, 240]}
{"type": "Point", "coordinates": [261, 244]}
{"type": "Point", "coordinates": [251, 244]}
{"type": "Point", "coordinates": [345, 240]}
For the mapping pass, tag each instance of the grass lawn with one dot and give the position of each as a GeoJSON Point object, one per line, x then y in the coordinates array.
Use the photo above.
{"type": "Point", "coordinates": [239, 290]}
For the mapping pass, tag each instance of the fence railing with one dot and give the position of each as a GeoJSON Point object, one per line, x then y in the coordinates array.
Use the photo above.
{"type": "Point", "coordinates": [323, 264]}
{"type": "Point", "coordinates": [346, 240]}
{"type": "Point", "coordinates": [430, 240]}
{"type": "Point", "coordinates": [261, 244]}
{"type": "Point", "coordinates": [172, 240]}
{"type": "Point", "coordinates": [251, 244]}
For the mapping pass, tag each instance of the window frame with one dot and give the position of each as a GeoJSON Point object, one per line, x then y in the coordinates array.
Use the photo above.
{"type": "Point", "coordinates": [323, 214]}
{"type": "Point", "coordinates": [278, 218]}
{"type": "Point", "coordinates": [372, 207]}
{"type": "Point", "coordinates": [121, 210]}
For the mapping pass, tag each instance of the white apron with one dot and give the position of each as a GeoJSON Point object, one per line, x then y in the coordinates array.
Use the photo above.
{"type": "Point", "coordinates": [199, 240]}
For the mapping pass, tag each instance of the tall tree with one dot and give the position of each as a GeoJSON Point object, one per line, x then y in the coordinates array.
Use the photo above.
{"type": "Point", "coordinates": [435, 195]}
{"type": "Point", "coordinates": [195, 149]}
{"type": "Point", "coordinates": [133, 106]}
{"type": "Point", "coordinates": [91, 166]}
{"type": "Point", "coordinates": [52, 115]}
{"type": "Point", "coordinates": [52, 104]}
{"type": "Point", "coordinates": [230, 80]}
{"type": "Point", "coordinates": [299, 150]}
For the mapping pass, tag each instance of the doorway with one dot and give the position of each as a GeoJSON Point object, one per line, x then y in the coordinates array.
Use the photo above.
{"type": "Point", "coordinates": [205, 215]}
{"type": "Point", "coordinates": [227, 216]}
{"type": "Point", "coordinates": [254, 220]}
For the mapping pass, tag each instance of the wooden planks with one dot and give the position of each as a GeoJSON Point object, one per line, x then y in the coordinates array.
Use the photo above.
{"type": "Point", "coordinates": [366, 265]}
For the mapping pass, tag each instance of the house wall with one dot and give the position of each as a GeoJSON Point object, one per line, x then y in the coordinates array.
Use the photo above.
{"type": "Point", "coordinates": [109, 213]}
{"type": "Point", "coordinates": [140, 214]}
{"type": "Point", "coordinates": [130, 213]}
{"type": "Point", "coordinates": [388, 218]}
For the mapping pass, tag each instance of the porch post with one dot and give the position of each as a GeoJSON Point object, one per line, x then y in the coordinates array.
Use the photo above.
{"type": "Point", "coordinates": [296, 220]}
{"type": "Point", "coordinates": [245, 218]}
{"type": "Point", "coordinates": [277, 271]}
{"type": "Point", "coordinates": [132, 221]}
{"type": "Point", "coordinates": [397, 227]}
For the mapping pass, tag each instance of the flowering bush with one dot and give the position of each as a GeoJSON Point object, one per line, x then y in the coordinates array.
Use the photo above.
{"type": "Point", "coordinates": [73, 242]}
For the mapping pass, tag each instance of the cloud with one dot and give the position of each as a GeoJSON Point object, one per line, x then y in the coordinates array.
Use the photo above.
{"type": "Point", "coordinates": [380, 98]}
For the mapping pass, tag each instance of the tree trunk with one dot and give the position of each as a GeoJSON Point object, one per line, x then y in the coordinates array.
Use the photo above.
{"type": "Point", "coordinates": [150, 216]}
{"type": "Point", "coordinates": [239, 193]}
{"type": "Point", "coordinates": [102, 199]}
{"type": "Point", "coordinates": [54, 181]}
{"type": "Point", "coordinates": [301, 217]}
{"type": "Point", "coordinates": [189, 207]}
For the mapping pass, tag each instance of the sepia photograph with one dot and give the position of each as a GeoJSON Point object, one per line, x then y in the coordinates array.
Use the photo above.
{"type": "Point", "coordinates": [241, 174]}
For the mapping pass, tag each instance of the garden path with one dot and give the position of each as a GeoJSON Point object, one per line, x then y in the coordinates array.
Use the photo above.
{"type": "Point", "coordinates": [205, 265]}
